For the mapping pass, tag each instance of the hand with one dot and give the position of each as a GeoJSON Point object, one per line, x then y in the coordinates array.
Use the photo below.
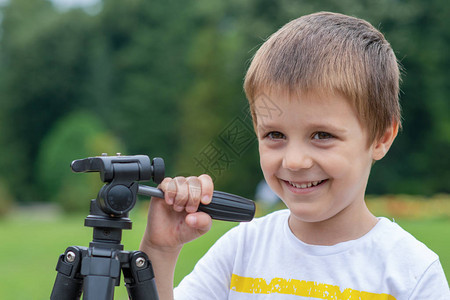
{"type": "Point", "coordinates": [174, 220]}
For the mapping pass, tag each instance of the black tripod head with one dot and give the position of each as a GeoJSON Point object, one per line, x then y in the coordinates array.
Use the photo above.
{"type": "Point", "coordinates": [121, 175]}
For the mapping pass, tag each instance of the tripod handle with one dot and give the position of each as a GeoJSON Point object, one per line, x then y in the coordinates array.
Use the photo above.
{"type": "Point", "coordinates": [223, 206]}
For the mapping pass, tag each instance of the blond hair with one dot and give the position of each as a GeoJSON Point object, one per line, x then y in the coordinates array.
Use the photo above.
{"type": "Point", "coordinates": [330, 52]}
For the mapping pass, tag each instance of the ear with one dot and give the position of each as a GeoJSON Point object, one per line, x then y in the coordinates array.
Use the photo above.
{"type": "Point", "coordinates": [382, 145]}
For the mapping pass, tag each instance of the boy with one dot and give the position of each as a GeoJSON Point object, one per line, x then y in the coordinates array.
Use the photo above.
{"type": "Point", "coordinates": [335, 80]}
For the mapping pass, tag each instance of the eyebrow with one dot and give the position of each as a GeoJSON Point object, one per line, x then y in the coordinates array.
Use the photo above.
{"type": "Point", "coordinates": [328, 127]}
{"type": "Point", "coordinates": [266, 127]}
{"type": "Point", "coordinates": [313, 126]}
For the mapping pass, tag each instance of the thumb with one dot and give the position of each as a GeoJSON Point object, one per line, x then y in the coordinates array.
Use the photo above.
{"type": "Point", "coordinates": [200, 221]}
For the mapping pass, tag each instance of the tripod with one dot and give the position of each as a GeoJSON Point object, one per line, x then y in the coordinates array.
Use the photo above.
{"type": "Point", "coordinates": [94, 271]}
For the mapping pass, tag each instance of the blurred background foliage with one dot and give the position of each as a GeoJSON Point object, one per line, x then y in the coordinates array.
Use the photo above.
{"type": "Point", "coordinates": [164, 78]}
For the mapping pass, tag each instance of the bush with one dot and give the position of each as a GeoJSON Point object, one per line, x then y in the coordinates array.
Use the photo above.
{"type": "Point", "coordinates": [79, 135]}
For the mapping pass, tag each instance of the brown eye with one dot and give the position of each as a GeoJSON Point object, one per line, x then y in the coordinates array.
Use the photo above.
{"type": "Point", "coordinates": [322, 136]}
{"type": "Point", "coordinates": [275, 135]}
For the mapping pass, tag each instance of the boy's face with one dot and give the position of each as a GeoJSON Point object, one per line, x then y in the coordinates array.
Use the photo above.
{"type": "Point", "coordinates": [314, 154]}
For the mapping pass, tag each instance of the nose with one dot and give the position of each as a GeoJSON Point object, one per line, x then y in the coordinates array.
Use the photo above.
{"type": "Point", "coordinates": [297, 158]}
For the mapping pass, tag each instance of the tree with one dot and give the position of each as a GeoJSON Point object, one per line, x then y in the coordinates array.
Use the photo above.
{"type": "Point", "coordinates": [142, 44]}
{"type": "Point", "coordinates": [43, 61]}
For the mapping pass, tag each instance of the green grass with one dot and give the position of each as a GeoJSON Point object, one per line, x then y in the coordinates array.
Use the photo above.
{"type": "Point", "coordinates": [30, 247]}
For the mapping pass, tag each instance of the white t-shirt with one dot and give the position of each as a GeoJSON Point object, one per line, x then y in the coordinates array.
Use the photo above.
{"type": "Point", "coordinates": [264, 260]}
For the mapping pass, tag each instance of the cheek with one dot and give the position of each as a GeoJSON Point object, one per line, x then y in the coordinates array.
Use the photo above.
{"type": "Point", "coordinates": [266, 165]}
{"type": "Point", "coordinates": [349, 168]}
{"type": "Point", "coordinates": [267, 159]}
{"type": "Point", "coordinates": [336, 165]}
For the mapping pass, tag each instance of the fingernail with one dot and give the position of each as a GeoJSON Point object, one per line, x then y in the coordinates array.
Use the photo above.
{"type": "Point", "coordinates": [170, 201]}
{"type": "Point", "coordinates": [178, 208]}
{"type": "Point", "coordinates": [205, 199]}
{"type": "Point", "coordinates": [191, 219]}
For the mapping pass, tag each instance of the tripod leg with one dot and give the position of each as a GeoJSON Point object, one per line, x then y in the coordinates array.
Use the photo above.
{"type": "Point", "coordinates": [101, 271]}
{"type": "Point", "coordinates": [139, 277]}
{"type": "Point", "coordinates": [98, 287]}
{"type": "Point", "coordinates": [68, 284]}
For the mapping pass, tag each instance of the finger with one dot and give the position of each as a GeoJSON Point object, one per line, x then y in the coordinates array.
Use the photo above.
{"type": "Point", "coordinates": [195, 192]}
{"type": "Point", "coordinates": [182, 194]}
{"type": "Point", "coordinates": [164, 187]}
{"type": "Point", "coordinates": [170, 190]}
{"type": "Point", "coordinates": [207, 188]}
{"type": "Point", "coordinates": [200, 221]}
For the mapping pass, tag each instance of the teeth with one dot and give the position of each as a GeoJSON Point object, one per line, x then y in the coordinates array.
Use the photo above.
{"type": "Point", "coordinates": [305, 185]}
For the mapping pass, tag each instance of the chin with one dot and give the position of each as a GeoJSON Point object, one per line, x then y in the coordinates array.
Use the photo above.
{"type": "Point", "coordinates": [306, 216]}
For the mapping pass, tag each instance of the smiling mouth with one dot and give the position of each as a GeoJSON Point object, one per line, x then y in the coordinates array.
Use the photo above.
{"type": "Point", "coordinates": [305, 185]}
